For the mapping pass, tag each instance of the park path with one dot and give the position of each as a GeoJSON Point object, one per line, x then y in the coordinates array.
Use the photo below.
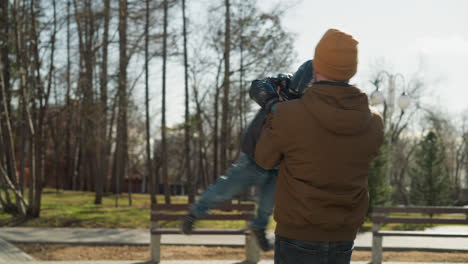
{"type": "Point", "coordinates": [189, 262]}
{"type": "Point", "coordinates": [10, 254]}
{"type": "Point", "coordinates": [99, 236]}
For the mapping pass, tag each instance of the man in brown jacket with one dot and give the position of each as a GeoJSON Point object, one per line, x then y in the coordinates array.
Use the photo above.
{"type": "Point", "coordinates": [323, 144]}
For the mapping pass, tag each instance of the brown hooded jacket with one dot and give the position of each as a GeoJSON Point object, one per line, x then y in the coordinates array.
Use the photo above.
{"type": "Point", "coordinates": [323, 143]}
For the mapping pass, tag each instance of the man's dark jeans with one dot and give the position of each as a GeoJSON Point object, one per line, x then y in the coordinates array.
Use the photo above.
{"type": "Point", "coordinates": [290, 251]}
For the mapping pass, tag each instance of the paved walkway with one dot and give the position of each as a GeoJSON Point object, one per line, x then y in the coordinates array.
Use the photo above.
{"type": "Point", "coordinates": [141, 237]}
{"type": "Point", "coordinates": [190, 262]}
{"type": "Point", "coordinates": [193, 262]}
{"type": "Point", "coordinates": [10, 253]}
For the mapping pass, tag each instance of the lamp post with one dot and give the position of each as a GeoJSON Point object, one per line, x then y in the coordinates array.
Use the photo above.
{"type": "Point", "coordinates": [389, 101]}
{"type": "Point", "coordinates": [377, 97]}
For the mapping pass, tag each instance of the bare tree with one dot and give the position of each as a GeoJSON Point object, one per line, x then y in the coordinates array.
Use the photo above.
{"type": "Point", "coordinates": [68, 148]}
{"type": "Point", "coordinates": [7, 174]}
{"type": "Point", "coordinates": [225, 135]}
{"type": "Point", "coordinates": [39, 112]}
{"type": "Point", "coordinates": [187, 127]}
{"type": "Point", "coordinates": [148, 128]}
{"type": "Point", "coordinates": [68, 116]}
{"type": "Point", "coordinates": [216, 127]}
{"type": "Point", "coordinates": [103, 157]}
{"type": "Point", "coordinates": [164, 157]}
{"type": "Point", "coordinates": [249, 31]}
{"type": "Point", "coordinates": [122, 133]}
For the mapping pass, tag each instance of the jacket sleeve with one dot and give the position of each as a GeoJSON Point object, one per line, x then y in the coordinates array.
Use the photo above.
{"type": "Point", "coordinates": [268, 152]}
{"type": "Point", "coordinates": [302, 77]}
{"type": "Point", "coordinates": [263, 93]}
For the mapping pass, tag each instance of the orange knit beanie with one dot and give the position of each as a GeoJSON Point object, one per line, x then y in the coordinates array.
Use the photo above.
{"type": "Point", "coordinates": [336, 55]}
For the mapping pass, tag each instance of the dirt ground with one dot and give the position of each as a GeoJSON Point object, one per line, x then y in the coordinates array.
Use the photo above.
{"type": "Point", "coordinates": [67, 252]}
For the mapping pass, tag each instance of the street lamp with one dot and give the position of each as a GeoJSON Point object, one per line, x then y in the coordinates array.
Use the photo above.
{"type": "Point", "coordinates": [404, 101]}
{"type": "Point", "coordinates": [377, 97]}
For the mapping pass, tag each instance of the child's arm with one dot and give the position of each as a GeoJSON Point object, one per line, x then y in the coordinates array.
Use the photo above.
{"type": "Point", "coordinates": [270, 91]}
{"type": "Point", "coordinates": [265, 92]}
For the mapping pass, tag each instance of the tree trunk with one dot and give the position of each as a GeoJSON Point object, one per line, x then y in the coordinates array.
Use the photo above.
{"type": "Point", "coordinates": [91, 115]}
{"type": "Point", "coordinates": [225, 139]}
{"type": "Point", "coordinates": [104, 160]}
{"type": "Point", "coordinates": [19, 44]}
{"type": "Point", "coordinates": [68, 177]}
{"type": "Point", "coordinates": [164, 157]}
{"type": "Point", "coordinates": [201, 175]}
{"type": "Point", "coordinates": [242, 108]}
{"type": "Point", "coordinates": [187, 127]}
{"type": "Point", "coordinates": [130, 183]}
{"type": "Point", "coordinates": [51, 77]}
{"type": "Point", "coordinates": [215, 136]}
{"type": "Point", "coordinates": [122, 133]}
{"type": "Point", "coordinates": [149, 164]}
{"type": "Point", "coordinates": [111, 185]}
{"type": "Point", "coordinates": [23, 54]}
{"type": "Point", "coordinates": [39, 114]}
{"type": "Point", "coordinates": [216, 127]}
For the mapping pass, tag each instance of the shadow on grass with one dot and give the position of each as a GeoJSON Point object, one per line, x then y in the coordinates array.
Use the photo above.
{"type": "Point", "coordinates": [92, 212]}
{"type": "Point", "coordinates": [41, 222]}
{"type": "Point", "coordinates": [13, 222]}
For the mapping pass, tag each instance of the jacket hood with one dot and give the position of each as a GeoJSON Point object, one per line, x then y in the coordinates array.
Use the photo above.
{"type": "Point", "coordinates": [342, 109]}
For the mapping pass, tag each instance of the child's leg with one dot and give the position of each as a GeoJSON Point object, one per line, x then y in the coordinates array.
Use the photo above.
{"type": "Point", "coordinates": [240, 176]}
{"type": "Point", "coordinates": [265, 200]}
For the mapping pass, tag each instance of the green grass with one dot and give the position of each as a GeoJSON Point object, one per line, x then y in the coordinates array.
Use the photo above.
{"type": "Point", "coordinates": [77, 209]}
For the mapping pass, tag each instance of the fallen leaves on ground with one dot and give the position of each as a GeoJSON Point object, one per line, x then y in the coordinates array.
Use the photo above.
{"type": "Point", "coordinates": [69, 252]}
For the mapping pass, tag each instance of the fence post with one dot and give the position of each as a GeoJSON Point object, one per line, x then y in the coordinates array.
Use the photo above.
{"type": "Point", "coordinates": [155, 246]}
{"type": "Point", "coordinates": [252, 251]}
{"type": "Point", "coordinates": [376, 245]}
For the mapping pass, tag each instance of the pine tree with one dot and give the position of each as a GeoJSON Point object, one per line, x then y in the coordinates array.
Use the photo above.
{"type": "Point", "coordinates": [430, 184]}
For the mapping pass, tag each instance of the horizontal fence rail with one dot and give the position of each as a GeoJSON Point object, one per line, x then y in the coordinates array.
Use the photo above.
{"type": "Point", "coordinates": [423, 210]}
{"type": "Point", "coordinates": [200, 231]}
{"type": "Point", "coordinates": [419, 234]}
{"type": "Point", "coordinates": [184, 207]}
{"type": "Point", "coordinates": [174, 217]}
{"type": "Point", "coordinates": [404, 220]}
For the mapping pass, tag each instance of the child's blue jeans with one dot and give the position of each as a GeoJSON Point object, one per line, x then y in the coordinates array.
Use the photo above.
{"type": "Point", "coordinates": [242, 174]}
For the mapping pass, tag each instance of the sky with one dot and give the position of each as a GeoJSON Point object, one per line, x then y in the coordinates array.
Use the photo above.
{"type": "Point", "coordinates": [425, 39]}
